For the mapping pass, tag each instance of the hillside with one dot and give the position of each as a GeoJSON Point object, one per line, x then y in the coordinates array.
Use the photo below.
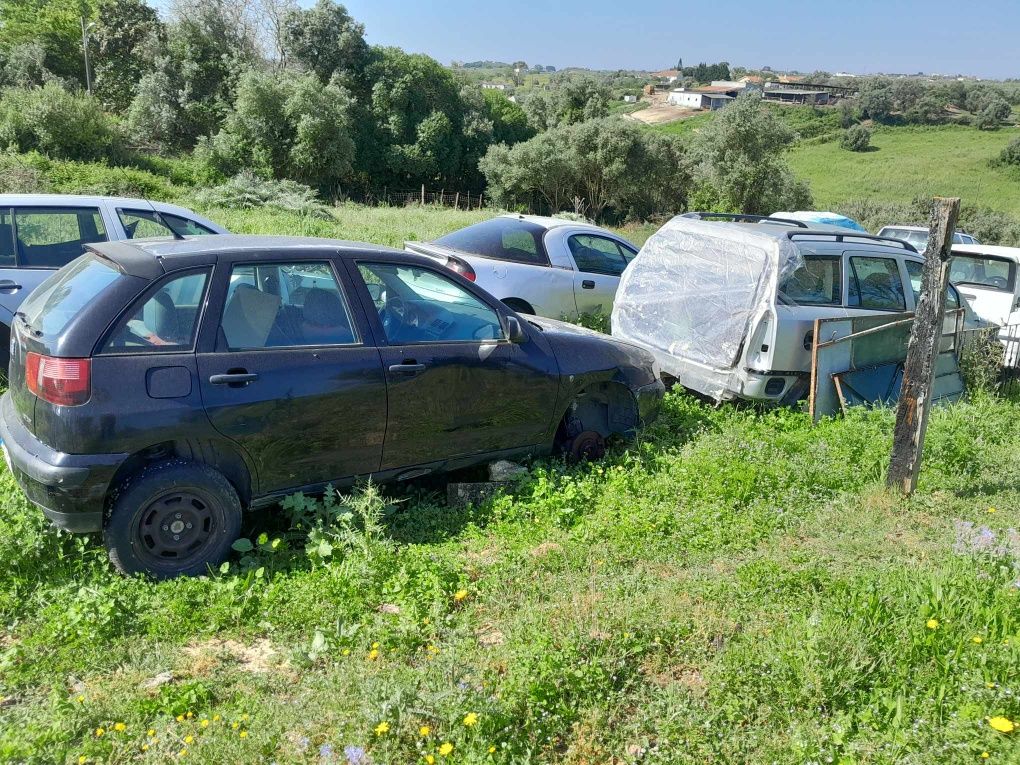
{"type": "Point", "coordinates": [909, 162]}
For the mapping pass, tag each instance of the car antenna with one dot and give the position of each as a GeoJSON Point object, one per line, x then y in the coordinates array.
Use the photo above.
{"type": "Point", "coordinates": [160, 218]}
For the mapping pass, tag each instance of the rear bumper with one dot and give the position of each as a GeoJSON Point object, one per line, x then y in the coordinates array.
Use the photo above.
{"type": "Point", "coordinates": [70, 489]}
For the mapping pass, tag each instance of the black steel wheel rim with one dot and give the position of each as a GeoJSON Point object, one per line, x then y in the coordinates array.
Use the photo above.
{"type": "Point", "coordinates": [176, 528]}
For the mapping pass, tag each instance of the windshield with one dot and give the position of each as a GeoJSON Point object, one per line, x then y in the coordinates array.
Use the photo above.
{"type": "Point", "coordinates": [501, 239]}
{"type": "Point", "coordinates": [983, 271]}
{"type": "Point", "coordinates": [58, 299]}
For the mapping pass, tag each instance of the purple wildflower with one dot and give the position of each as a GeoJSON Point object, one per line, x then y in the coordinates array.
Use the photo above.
{"type": "Point", "coordinates": [326, 752]}
{"type": "Point", "coordinates": [355, 755]}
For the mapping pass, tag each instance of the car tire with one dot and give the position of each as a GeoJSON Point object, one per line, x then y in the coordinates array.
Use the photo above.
{"type": "Point", "coordinates": [174, 518]}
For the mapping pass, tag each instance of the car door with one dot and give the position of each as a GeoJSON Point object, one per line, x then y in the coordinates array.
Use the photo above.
{"type": "Point", "coordinates": [456, 385]}
{"type": "Point", "coordinates": [292, 374]}
{"type": "Point", "coordinates": [34, 241]}
{"type": "Point", "coordinates": [598, 261]}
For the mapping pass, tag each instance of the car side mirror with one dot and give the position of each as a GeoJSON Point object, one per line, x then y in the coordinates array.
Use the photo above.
{"type": "Point", "coordinates": [517, 333]}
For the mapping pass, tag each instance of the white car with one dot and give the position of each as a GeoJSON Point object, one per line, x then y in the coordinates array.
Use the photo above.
{"type": "Point", "coordinates": [986, 277]}
{"type": "Point", "coordinates": [39, 233]}
{"type": "Point", "coordinates": [918, 236]}
{"type": "Point", "coordinates": [544, 266]}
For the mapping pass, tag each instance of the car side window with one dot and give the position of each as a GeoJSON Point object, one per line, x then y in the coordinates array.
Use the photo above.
{"type": "Point", "coordinates": [597, 255]}
{"type": "Point", "coordinates": [818, 282]}
{"type": "Point", "coordinates": [419, 305]}
{"type": "Point", "coordinates": [875, 284]}
{"type": "Point", "coordinates": [285, 305]}
{"type": "Point", "coordinates": [185, 226]}
{"type": "Point", "coordinates": [53, 237]}
{"type": "Point", "coordinates": [142, 224]}
{"type": "Point", "coordinates": [165, 321]}
{"type": "Point", "coordinates": [914, 273]}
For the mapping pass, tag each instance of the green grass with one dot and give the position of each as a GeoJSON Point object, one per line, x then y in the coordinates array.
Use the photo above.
{"type": "Point", "coordinates": [733, 588]}
{"type": "Point", "coordinates": [910, 162]}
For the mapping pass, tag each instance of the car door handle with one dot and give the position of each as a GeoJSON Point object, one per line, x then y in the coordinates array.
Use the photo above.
{"type": "Point", "coordinates": [8, 285]}
{"type": "Point", "coordinates": [407, 368]}
{"type": "Point", "coordinates": [588, 284]}
{"type": "Point", "coordinates": [234, 378]}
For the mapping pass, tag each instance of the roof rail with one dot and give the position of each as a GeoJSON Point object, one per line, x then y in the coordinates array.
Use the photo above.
{"type": "Point", "coordinates": [853, 235]}
{"type": "Point", "coordinates": [744, 218]}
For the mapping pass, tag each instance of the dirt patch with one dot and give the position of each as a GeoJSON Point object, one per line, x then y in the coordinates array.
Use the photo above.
{"type": "Point", "coordinates": [659, 111]}
{"type": "Point", "coordinates": [488, 635]}
{"type": "Point", "coordinates": [259, 658]}
{"type": "Point", "coordinates": [545, 549]}
{"type": "Point", "coordinates": [678, 674]}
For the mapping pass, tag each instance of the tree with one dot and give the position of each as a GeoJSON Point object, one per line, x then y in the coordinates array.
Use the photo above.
{"type": "Point", "coordinates": [569, 100]}
{"type": "Point", "coordinates": [53, 25]}
{"type": "Point", "coordinates": [1010, 156]}
{"type": "Point", "coordinates": [518, 70]}
{"type": "Point", "coordinates": [325, 40]}
{"type": "Point", "coordinates": [857, 138]}
{"type": "Point", "coordinates": [509, 121]}
{"type": "Point", "coordinates": [612, 167]}
{"type": "Point", "coordinates": [54, 122]}
{"type": "Point", "coordinates": [24, 66]}
{"type": "Point", "coordinates": [876, 100]}
{"type": "Point", "coordinates": [128, 37]}
{"type": "Point", "coordinates": [994, 113]}
{"type": "Point", "coordinates": [741, 162]}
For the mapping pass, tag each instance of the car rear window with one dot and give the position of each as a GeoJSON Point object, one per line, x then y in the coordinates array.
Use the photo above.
{"type": "Point", "coordinates": [983, 271]}
{"type": "Point", "coordinates": [56, 301]}
{"type": "Point", "coordinates": [509, 239]}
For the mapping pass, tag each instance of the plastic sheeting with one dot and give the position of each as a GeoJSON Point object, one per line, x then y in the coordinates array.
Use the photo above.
{"type": "Point", "coordinates": [691, 295]}
{"type": "Point", "coordinates": [828, 218]}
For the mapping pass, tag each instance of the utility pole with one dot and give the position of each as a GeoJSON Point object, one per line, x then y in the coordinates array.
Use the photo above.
{"type": "Point", "coordinates": [85, 29]}
{"type": "Point", "coordinates": [925, 338]}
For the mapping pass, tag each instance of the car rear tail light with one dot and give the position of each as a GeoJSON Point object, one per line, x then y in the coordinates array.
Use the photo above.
{"type": "Point", "coordinates": [65, 382]}
{"type": "Point", "coordinates": [461, 267]}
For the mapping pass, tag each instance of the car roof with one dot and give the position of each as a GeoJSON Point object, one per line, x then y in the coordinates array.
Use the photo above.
{"type": "Point", "coordinates": [1010, 253]}
{"type": "Point", "coordinates": [548, 222]}
{"type": "Point", "coordinates": [818, 232]}
{"type": "Point", "coordinates": [151, 258]}
{"type": "Point", "coordinates": [75, 200]}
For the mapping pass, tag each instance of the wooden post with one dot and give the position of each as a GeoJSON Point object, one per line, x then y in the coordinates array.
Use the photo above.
{"type": "Point", "coordinates": [456, 201]}
{"type": "Point", "coordinates": [480, 197]}
{"type": "Point", "coordinates": [423, 195]}
{"type": "Point", "coordinates": [925, 338]}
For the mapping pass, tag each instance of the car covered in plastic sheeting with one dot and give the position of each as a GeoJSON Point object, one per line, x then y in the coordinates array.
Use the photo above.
{"type": "Point", "coordinates": [728, 308]}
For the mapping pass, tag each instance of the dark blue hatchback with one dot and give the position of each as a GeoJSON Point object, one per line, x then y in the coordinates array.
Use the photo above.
{"type": "Point", "coordinates": [157, 389]}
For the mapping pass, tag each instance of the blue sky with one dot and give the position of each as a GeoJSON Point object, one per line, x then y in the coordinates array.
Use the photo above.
{"type": "Point", "coordinates": [979, 37]}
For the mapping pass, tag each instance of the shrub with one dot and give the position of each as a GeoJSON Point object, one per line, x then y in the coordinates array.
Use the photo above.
{"type": "Point", "coordinates": [981, 360]}
{"type": "Point", "coordinates": [246, 191]}
{"type": "Point", "coordinates": [1010, 156]}
{"type": "Point", "coordinates": [55, 122]}
{"type": "Point", "coordinates": [856, 138]}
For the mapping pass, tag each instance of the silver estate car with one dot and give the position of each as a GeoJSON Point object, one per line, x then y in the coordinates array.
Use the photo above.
{"type": "Point", "coordinates": [549, 267]}
{"type": "Point", "coordinates": [39, 233]}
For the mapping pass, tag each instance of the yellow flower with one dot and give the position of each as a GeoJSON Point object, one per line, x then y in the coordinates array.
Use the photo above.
{"type": "Point", "coordinates": [145, 747]}
{"type": "Point", "coordinates": [492, 749]}
{"type": "Point", "coordinates": [235, 725]}
{"type": "Point", "coordinates": [216, 718]}
{"type": "Point", "coordinates": [977, 639]}
{"type": "Point", "coordinates": [989, 685]}
{"type": "Point", "coordinates": [459, 595]}
{"type": "Point", "coordinates": [932, 624]}
{"type": "Point", "coordinates": [375, 645]}
{"type": "Point", "coordinates": [382, 728]}
{"type": "Point", "coordinates": [470, 719]}
{"type": "Point", "coordinates": [150, 732]}
{"type": "Point", "coordinates": [82, 759]}
{"type": "Point", "coordinates": [985, 755]}
{"type": "Point", "coordinates": [189, 715]}
{"type": "Point", "coordinates": [346, 652]}
{"type": "Point", "coordinates": [445, 749]}
{"type": "Point", "coordinates": [430, 759]}
{"type": "Point", "coordinates": [119, 727]}
{"type": "Point", "coordinates": [991, 509]}
{"type": "Point", "coordinates": [189, 739]}
{"type": "Point", "coordinates": [373, 654]}
{"type": "Point", "coordinates": [1002, 724]}
{"type": "Point", "coordinates": [99, 732]}
{"type": "Point", "coordinates": [180, 718]}
{"type": "Point", "coordinates": [81, 699]}
{"type": "Point", "coordinates": [244, 717]}
{"type": "Point", "coordinates": [424, 730]}
{"type": "Point", "coordinates": [204, 723]}
{"type": "Point", "coordinates": [243, 734]}
{"type": "Point", "coordinates": [182, 753]}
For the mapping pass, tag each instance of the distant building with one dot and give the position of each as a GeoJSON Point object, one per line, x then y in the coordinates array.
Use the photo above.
{"type": "Point", "coordinates": [796, 96]}
{"type": "Point", "coordinates": [711, 98]}
{"type": "Point", "coordinates": [669, 75]}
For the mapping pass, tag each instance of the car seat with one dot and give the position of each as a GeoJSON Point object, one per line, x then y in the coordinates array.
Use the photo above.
{"type": "Point", "coordinates": [324, 319]}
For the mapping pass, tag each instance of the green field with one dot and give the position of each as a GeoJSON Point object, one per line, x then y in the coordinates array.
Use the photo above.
{"type": "Point", "coordinates": [910, 162]}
